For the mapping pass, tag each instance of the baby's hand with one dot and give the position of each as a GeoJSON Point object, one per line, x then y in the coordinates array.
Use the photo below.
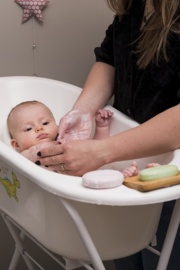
{"type": "Point", "coordinates": [103, 117]}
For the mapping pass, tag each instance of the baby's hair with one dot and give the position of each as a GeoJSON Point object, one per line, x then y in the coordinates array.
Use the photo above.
{"type": "Point", "coordinates": [22, 104]}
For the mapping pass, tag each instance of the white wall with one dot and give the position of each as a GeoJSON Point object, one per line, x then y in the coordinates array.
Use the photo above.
{"type": "Point", "coordinates": [64, 42]}
{"type": "Point", "coordinates": [64, 51]}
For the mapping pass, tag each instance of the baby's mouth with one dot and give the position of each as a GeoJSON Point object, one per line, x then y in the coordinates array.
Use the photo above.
{"type": "Point", "coordinates": [42, 136]}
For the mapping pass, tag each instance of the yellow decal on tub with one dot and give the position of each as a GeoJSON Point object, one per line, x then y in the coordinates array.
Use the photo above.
{"type": "Point", "coordinates": [11, 188]}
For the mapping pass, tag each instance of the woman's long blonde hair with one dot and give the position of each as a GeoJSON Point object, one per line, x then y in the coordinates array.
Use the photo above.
{"type": "Point", "coordinates": [153, 41]}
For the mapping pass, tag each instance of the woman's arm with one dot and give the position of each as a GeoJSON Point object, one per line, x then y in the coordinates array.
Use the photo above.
{"type": "Point", "coordinates": [77, 124]}
{"type": "Point", "coordinates": [98, 88]}
{"type": "Point", "coordinates": [159, 135]}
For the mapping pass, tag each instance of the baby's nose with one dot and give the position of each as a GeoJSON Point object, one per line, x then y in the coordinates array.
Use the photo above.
{"type": "Point", "coordinates": [39, 128]}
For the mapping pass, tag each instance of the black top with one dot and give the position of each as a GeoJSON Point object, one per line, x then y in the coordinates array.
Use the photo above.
{"type": "Point", "coordinates": [140, 94]}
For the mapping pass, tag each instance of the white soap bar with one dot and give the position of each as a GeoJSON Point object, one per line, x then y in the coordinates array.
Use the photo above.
{"type": "Point", "coordinates": [102, 179]}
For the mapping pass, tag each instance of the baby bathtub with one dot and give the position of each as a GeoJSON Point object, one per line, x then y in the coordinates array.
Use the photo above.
{"type": "Point", "coordinates": [66, 218]}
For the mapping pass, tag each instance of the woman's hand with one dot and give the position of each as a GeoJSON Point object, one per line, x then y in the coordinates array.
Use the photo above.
{"type": "Point", "coordinates": [74, 158]}
{"type": "Point", "coordinates": [75, 125]}
{"type": "Point", "coordinates": [31, 153]}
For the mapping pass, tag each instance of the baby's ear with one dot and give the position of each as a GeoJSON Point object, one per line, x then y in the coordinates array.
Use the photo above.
{"type": "Point", "coordinates": [15, 144]}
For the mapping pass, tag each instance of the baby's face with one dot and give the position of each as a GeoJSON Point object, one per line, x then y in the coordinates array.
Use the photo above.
{"type": "Point", "coordinates": [31, 125]}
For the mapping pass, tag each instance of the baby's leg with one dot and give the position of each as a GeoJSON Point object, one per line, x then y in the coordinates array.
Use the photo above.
{"type": "Point", "coordinates": [131, 171]}
{"type": "Point", "coordinates": [150, 165]}
{"type": "Point", "coordinates": [102, 119]}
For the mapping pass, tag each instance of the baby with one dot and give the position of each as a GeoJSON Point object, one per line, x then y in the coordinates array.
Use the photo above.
{"type": "Point", "coordinates": [32, 127]}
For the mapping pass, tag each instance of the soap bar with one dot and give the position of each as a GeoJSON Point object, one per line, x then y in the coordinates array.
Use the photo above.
{"type": "Point", "coordinates": [158, 172]}
{"type": "Point", "coordinates": [102, 179]}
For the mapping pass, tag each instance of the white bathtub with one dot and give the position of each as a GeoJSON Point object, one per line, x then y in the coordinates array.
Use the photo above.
{"type": "Point", "coordinates": [120, 221]}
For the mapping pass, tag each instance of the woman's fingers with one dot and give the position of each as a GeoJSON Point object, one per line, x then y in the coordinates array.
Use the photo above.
{"type": "Point", "coordinates": [63, 126]}
{"type": "Point", "coordinates": [48, 161]}
{"type": "Point", "coordinates": [73, 158]}
{"type": "Point", "coordinates": [30, 154]}
{"type": "Point", "coordinates": [54, 157]}
{"type": "Point", "coordinates": [50, 151]}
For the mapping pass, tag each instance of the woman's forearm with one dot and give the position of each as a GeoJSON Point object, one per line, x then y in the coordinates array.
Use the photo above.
{"type": "Point", "coordinates": [159, 135]}
{"type": "Point", "coordinates": [98, 88]}
{"type": "Point", "coordinates": [77, 124]}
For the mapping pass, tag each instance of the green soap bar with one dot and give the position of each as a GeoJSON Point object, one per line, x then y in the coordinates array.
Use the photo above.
{"type": "Point", "coordinates": [158, 172]}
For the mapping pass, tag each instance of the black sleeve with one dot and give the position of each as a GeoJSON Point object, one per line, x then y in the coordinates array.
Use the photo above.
{"type": "Point", "coordinates": [105, 53]}
{"type": "Point", "coordinates": [173, 52]}
{"type": "Point", "coordinates": [178, 92]}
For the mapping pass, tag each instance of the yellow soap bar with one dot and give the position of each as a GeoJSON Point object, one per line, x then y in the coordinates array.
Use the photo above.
{"type": "Point", "coordinates": [159, 172]}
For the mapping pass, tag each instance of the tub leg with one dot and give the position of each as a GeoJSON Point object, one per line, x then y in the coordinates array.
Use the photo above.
{"type": "Point", "coordinates": [16, 255]}
{"type": "Point", "coordinates": [18, 242]}
{"type": "Point", "coordinates": [170, 237]}
{"type": "Point", "coordinates": [84, 235]}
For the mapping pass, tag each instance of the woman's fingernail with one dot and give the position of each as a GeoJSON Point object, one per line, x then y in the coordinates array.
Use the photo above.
{"type": "Point", "coordinates": [38, 162]}
{"type": "Point", "coordinates": [55, 171]}
{"type": "Point", "coordinates": [56, 136]}
{"type": "Point", "coordinates": [39, 154]}
{"type": "Point", "coordinates": [46, 166]}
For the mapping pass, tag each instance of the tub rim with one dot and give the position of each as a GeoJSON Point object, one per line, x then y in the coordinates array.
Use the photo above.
{"type": "Point", "coordinates": [71, 187]}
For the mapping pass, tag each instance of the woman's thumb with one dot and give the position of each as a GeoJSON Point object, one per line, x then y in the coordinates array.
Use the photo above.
{"type": "Point", "coordinates": [63, 125]}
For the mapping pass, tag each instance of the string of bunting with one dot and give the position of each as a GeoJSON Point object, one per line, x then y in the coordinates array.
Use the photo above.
{"type": "Point", "coordinates": [32, 8]}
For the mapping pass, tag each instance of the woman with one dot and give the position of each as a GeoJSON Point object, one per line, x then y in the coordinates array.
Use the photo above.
{"type": "Point", "coordinates": [138, 62]}
{"type": "Point", "coordinates": [143, 75]}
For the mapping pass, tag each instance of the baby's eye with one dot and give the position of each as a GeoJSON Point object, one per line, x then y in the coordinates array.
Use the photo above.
{"type": "Point", "coordinates": [45, 123]}
{"type": "Point", "coordinates": [28, 129]}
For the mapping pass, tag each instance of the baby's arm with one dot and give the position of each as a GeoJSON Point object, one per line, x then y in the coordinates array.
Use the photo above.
{"type": "Point", "coordinates": [102, 119]}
